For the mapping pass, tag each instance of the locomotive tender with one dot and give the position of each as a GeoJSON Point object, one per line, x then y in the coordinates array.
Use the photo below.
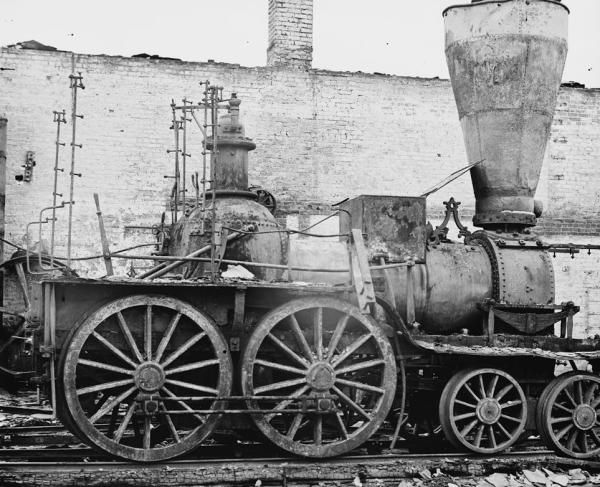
{"type": "Point", "coordinates": [405, 331]}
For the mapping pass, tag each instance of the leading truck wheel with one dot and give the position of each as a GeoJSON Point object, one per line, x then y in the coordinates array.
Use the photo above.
{"type": "Point", "coordinates": [569, 416]}
{"type": "Point", "coordinates": [483, 410]}
{"type": "Point", "coordinates": [141, 376]}
{"type": "Point", "coordinates": [322, 376]}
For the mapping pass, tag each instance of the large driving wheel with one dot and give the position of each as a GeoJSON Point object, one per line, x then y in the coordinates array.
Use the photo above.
{"type": "Point", "coordinates": [325, 375]}
{"type": "Point", "coordinates": [483, 410]}
{"type": "Point", "coordinates": [141, 375]}
{"type": "Point", "coordinates": [568, 417]}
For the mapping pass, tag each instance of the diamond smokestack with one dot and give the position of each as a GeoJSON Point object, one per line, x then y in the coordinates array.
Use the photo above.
{"type": "Point", "coordinates": [506, 60]}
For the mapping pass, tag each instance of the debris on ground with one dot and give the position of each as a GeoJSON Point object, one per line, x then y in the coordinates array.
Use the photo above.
{"type": "Point", "coordinates": [527, 478]}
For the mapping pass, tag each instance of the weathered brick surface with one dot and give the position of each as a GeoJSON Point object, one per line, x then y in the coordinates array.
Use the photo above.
{"type": "Point", "coordinates": [290, 33]}
{"type": "Point", "coordinates": [321, 136]}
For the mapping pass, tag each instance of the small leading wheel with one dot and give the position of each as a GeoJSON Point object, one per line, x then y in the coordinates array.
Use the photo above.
{"type": "Point", "coordinates": [483, 410]}
{"type": "Point", "coordinates": [322, 376]}
{"type": "Point", "coordinates": [140, 376]}
{"type": "Point", "coordinates": [568, 419]}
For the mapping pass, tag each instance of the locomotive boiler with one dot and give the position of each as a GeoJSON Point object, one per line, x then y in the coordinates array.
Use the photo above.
{"type": "Point", "coordinates": [395, 330]}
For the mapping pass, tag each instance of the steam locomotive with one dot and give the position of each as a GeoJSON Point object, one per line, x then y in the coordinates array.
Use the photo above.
{"type": "Point", "coordinates": [403, 333]}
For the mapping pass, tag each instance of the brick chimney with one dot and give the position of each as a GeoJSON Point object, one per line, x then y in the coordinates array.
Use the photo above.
{"type": "Point", "coordinates": [290, 33]}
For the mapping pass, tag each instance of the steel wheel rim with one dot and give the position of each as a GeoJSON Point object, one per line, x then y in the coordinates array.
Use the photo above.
{"type": "Point", "coordinates": [144, 378]}
{"type": "Point", "coordinates": [327, 372]}
{"type": "Point", "coordinates": [484, 418]}
{"type": "Point", "coordinates": [570, 416]}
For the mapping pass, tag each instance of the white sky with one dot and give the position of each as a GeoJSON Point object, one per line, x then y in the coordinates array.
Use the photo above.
{"type": "Point", "coordinates": [388, 36]}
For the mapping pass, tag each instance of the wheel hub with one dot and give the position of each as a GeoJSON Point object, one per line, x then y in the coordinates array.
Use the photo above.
{"type": "Point", "coordinates": [321, 376]}
{"type": "Point", "coordinates": [584, 417]}
{"type": "Point", "coordinates": [149, 377]}
{"type": "Point", "coordinates": [488, 411]}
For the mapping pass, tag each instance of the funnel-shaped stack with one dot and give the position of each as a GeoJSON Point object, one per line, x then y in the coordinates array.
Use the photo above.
{"type": "Point", "coordinates": [506, 60]}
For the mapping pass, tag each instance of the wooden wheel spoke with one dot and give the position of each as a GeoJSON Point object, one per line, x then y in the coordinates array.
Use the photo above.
{"type": "Point", "coordinates": [288, 350]}
{"type": "Point", "coordinates": [466, 404]}
{"type": "Point", "coordinates": [475, 396]}
{"type": "Point", "coordinates": [360, 385]}
{"type": "Point", "coordinates": [564, 431]}
{"type": "Point", "coordinates": [184, 348]}
{"type": "Point", "coordinates": [103, 366]}
{"type": "Point", "coordinates": [578, 389]}
{"type": "Point", "coordinates": [563, 408]}
{"type": "Point", "coordinates": [278, 366]}
{"type": "Point", "coordinates": [503, 392]}
{"type": "Point", "coordinates": [511, 418]}
{"type": "Point", "coordinates": [503, 429]}
{"type": "Point", "coordinates": [280, 385]}
{"type": "Point", "coordinates": [341, 426]}
{"type": "Point", "coordinates": [464, 416]}
{"type": "Point", "coordinates": [467, 429]}
{"type": "Point", "coordinates": [478, 436]}
{"type": "Point", "coordinates": [510, 404]}
{"type": "Point", "coordinates": [184, 405]}
{"type": "Point", "coordinates": [583, 441]}
{"type": "Point", "coordinates": [111, 404]}
{"type": "Point", "coordinates": [169, 422]}
{"type": "Point", "coordinates": [338, 359]}
{"type": "Point", "coordinates": [340, 327]}
{"type": "Point", "coordinates": [103, 386]}
{"type": "Point", "coordinates": [492, 386]}
{"type": "Point", "coordinates": [114, 349]}
{"type": "Point", "coordinates": [148, 332]}
{"type": "Point", "coordinates": [123, 426]}
{"type": "Point", "coordinates": [294, 426]}
{"type": "Point", "coordinates": [595, 436]}
{"type": "Point", "coordinates": [286, 402]}
{"type": "Point", "coordinates": [360, 366]}
{"type": "Point", "coordinates": [572, 438]}
{"type": "Point", "coordinates": [318, 336]}
{"type": "Point", "coordinates": [300, 338]}
{"type": "Point", "coordinates": [147, 432]}
{"type": "Point", "coordinates": [192, 366]}
{"type": "Point", "coordinates": [492, 436]}
{"type": "Point", "coordinates": [162, 346]}
{"type": "Point", "coordinates": [129, 337]}
{"type": "Point", "coordinates": [318, 429]}
{"type": "Point", "coordinates": [343, 397]}
{"type": "Point", "coordinates": [194, 387]}
{"type": "Point", "coordinates": [569, 396]}
{"type": "Point", "coordinates": [481, 385]}
{"type": "Point", "coordinates": [561, 420]}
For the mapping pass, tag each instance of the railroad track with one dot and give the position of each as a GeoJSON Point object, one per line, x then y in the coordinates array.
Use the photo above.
{"type": "Point", "coordinates": [385, 469]}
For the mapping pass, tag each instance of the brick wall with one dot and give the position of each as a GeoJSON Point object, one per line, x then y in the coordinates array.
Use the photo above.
{"type": "Point", "coordinates": [321, 136]}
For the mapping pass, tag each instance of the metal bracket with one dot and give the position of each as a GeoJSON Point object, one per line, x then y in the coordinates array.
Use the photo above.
{"type": "Point", "coordinates": [528, 319]}
{"type": "Point", "coordinates": [439, 234]}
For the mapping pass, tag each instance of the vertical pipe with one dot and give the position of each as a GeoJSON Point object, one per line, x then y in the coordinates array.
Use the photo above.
{"type": "Point", "coordinates": [3, 136]}
{"type": "Point", "coordinates": [176, 133]}
{"type": "Point", "coordinates": [184, 153]}
{"type": "Point", "coordinates": [76, 82]}
{"type": "Point", "coordinates": [204, 149]}
{"type": "Point", "coordinates": [213, 176]}
{"type": "Point", "coordinates": [59, 117]}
